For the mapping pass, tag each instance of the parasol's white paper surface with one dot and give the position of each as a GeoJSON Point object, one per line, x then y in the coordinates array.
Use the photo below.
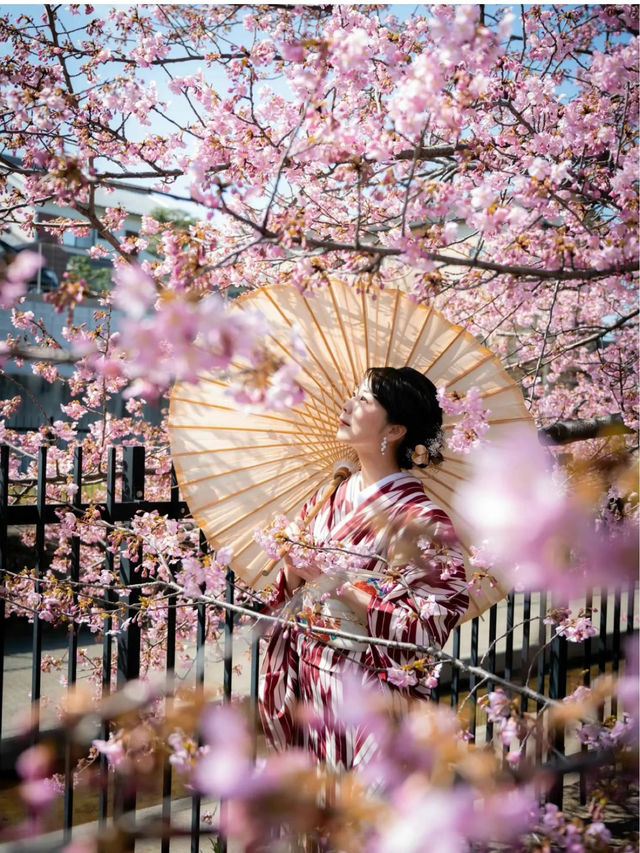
{"type": "Point", "coordinates": [237, 469]}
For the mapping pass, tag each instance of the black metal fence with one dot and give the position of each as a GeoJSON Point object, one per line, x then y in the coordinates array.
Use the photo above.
{"type": "Point", "coordinates": [511, 641]}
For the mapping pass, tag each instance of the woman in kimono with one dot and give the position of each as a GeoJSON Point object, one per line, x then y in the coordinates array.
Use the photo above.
{"type": "Point", "coordinates": [410, 585]}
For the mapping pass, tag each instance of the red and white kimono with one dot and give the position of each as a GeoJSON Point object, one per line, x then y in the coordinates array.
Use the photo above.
{"type": "Point", "coordinates": [415, 604]}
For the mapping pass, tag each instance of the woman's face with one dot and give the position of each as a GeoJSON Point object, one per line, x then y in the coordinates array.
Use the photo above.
{"type": "Point", "coordinates": [362, 421]}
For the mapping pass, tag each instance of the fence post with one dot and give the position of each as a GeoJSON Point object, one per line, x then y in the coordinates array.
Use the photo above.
{"type": "Point", "coordinates": [72, 650]}
{"type": "Point", "coordinates": [107, 625]}
{"type": "Point", "coordinates": [201, 637]}
{"type": "Point", "coordinates": [36, 669]}
{"type": "Point", "coordinates": [172, 602]}
{"type": "Point", "coordinates": [557, 690]}
{"type": "Point", "coordinates": [129, 638]}
{"type": "Point", "coordinates": [227, 675]}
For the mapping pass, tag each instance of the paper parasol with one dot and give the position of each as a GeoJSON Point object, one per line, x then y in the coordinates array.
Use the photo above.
{"type": "Point", "coordinates": [237, 469]}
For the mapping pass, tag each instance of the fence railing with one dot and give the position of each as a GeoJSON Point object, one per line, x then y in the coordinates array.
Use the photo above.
{"type": "Point", "coordinates": [511, 641]}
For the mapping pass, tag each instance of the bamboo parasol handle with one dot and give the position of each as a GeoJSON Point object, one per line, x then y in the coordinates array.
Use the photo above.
{"type": "Point", "coordinates": [339, 476]}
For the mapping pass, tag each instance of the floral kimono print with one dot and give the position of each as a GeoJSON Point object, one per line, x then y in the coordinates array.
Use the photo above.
{"type": "Point", "coordinates": [410, 603]}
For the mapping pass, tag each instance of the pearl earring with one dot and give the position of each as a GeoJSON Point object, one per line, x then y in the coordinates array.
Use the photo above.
{"type": "Point", "coordinates": [383, 445]}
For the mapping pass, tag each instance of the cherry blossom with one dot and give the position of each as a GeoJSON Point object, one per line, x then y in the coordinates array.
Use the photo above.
{"type": "Point", "coordinates": [471, 426]}
{"type": "Point", "coordinates": [535, 531]}
{"type": "Point", "coordinates": [401, 677]}
{"type": "Point", "coordinates": [485, 155]}
{"type": "Point", "coordinates": [16, 275]}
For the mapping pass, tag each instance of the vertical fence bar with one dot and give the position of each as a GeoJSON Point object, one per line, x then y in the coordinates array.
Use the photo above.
{"type": "Point", "coordinates": [201, 614]}
{"type": "Point", "coordinates": [133, 474]}
{"type": "Point", "coordinates": [540, 679]}
{"type": "Point", "coordinates": [254, 685]}
{"type": "Point", "coordinates": [4, 555]}
{"type": "Point", "coordinates": [526, 639]}
{"type": "Point", "coordinates": [491, 658]}
{"type": "Point", "coordinates": [72, 649]}
{"type": "Point", "coordinates": [228, 637]}
{"type": "Point", "coordinates": [167, 775]}
{"type": "Point", "coordinates": [129, 638]}
{"type": "Point", "coordinates": [107, 641]}
{"type": "Point", "coordinates": [542, 641]}
{"type": "Point", "coordinates": [228, 670]}
{"type": "Point", "coordinates": [36, 661]}
{"type": "Point", "coordinates": [508, 654]}
{"type": "Point", "coordinates": [631, 607]}
{"type": "Point", "coordinates": [602, 638]}
{"type": "Point", "coordinates": [586, 680]}
{"type": "Point", "coordinates": [455, 673]}
{"type": "Point", "coordinates": [557, 690]}
{"type": "Point", "coordinates": [615, 644]}
{"type": "Point", "coordinates": [472, 678]}
{"type": "Point", "coordinates": [586, 660]}
{"type": "Point", "coordinates": [602, 642]}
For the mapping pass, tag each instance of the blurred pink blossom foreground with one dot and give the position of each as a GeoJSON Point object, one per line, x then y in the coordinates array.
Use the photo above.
{"type": "Point", "coordinates": [534, 530]}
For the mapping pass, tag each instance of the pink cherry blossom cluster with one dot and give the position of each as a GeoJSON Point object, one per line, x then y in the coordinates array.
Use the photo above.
{"type": "Point", "coordinates": [259, 797]}
{"type": "Point", "coordinates": [557, 830]}
{"type": "Point", "coordinates": [503, 713]}
{"type": "Point", "coordinates": [200, 575]}
{"type": "Point", "coordinates": [278, 391]}
{"type": "Point", "coordinates": [36, 790]}
{"type": "Point", "coordinates": [576, 629]}
{"type": "Point", "coordinates": [166, 338]}
{"type": "Point", "coordinates": [537, 533]}
{"type": "Point", "coordinates": [470, 422]}
{"type": "Point", "coordinates": [409, 676]}
{"type": "Point", "coordinates": [14, 278]}
{"type": "Point", "coordinates": [292, 541]}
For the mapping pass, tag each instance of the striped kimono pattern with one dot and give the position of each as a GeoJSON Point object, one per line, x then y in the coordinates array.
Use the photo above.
{"type": "Point", "coordinates": [415, 604]}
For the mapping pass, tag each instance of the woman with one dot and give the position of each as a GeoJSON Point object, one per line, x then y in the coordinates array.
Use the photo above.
{"type": "Point", "coordinates": [401, 592]}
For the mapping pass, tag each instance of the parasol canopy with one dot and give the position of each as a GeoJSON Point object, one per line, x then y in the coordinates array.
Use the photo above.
{"type": "Point", "coordinates": [237, 469]}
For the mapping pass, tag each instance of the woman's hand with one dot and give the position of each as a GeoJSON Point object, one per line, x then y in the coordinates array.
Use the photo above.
{"type": "Point", "coordinates": [296, 576]}
{"type": "Point", "coordinates": [357, 599]}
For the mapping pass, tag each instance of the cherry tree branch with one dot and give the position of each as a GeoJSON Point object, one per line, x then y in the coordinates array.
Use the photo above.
{"type": "Point", "coordinates": [563, 274]}
{"type": "Point", "coordinates": [565, 432]}
{"type": "Point", "coordinates": [596, 336]}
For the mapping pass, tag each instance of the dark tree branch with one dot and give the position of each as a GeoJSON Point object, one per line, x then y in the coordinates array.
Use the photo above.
{"type": "Point", "coordinates": [565, 432]}
{"type": "Point", "coordinates": [431, 152]}
{"type": "Point", "coordinates": [474, 263]}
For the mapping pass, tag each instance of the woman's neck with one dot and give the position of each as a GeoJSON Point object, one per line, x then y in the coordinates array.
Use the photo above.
{"type": "Point", "coordinates": [375, 467]}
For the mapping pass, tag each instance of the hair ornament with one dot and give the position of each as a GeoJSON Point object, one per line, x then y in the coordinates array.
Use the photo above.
{"type": "Point", "coordinates": [420, 456]}
{"type": "Point", "coordinates": [435, 446]}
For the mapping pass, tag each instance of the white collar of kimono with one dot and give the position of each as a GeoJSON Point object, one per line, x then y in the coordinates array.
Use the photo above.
{"type": "Point", "coordinates": [359, 495]}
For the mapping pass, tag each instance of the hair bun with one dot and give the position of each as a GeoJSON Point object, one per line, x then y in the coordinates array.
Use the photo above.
{"type": "Point", "coordinates": [420, 456]}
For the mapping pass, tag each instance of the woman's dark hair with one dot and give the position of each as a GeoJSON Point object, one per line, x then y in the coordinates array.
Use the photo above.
{"type": "Point", "coordinates": [409, 399]}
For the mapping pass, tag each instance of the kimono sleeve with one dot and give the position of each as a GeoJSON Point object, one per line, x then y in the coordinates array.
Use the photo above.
{"type": "Point", "coordinates": [424, 600]}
